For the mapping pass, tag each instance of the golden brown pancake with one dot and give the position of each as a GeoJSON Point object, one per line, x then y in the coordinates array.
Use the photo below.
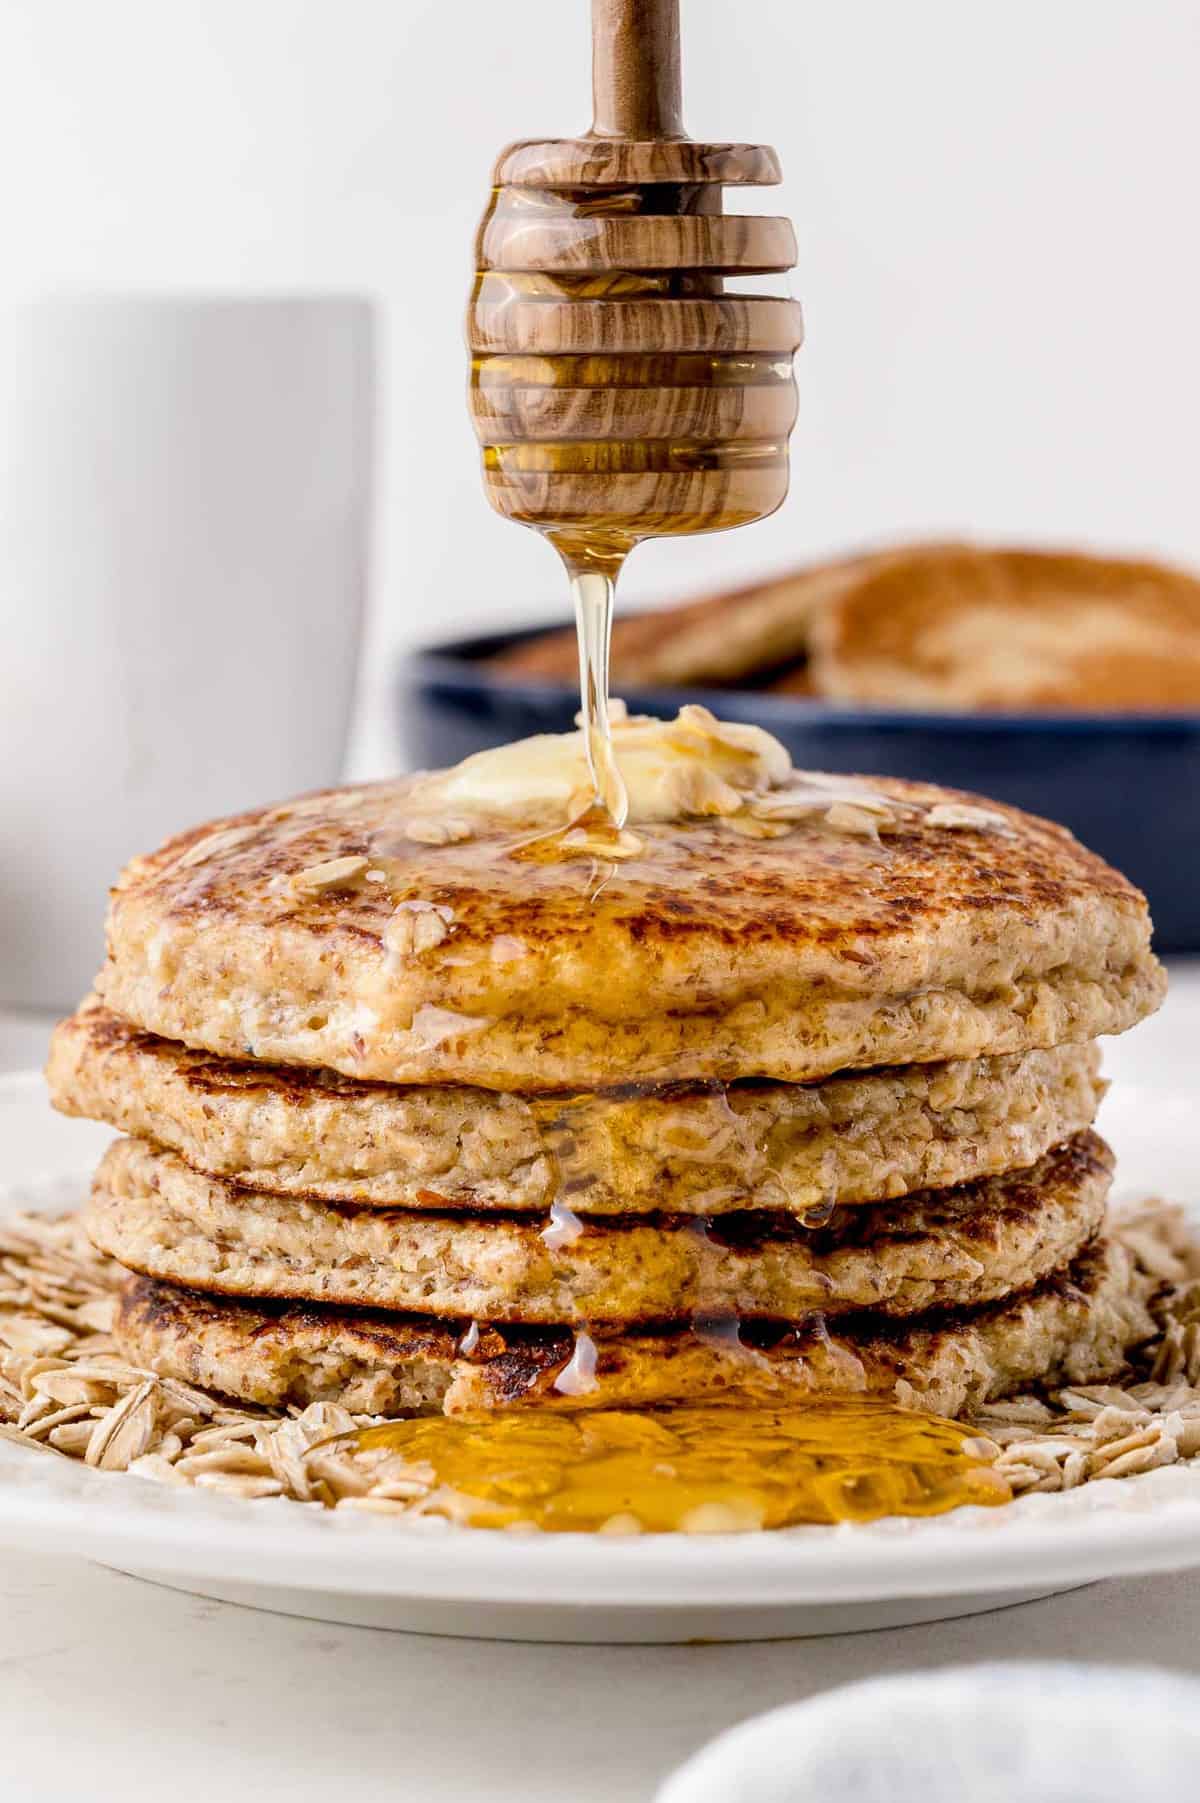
{"type": "Point", "coordinates": [1077, 1328]}
{"type": "Point", "coordinates": [859, 1137]}
{"type": "Point", "coordinates": [963, 930]}
{"type": "Point", "coordinates": [967, 627]}
{"type": "Point", "coordinates": [937, 1250]}
{"type": "Point", "coordinates": [716, 641]}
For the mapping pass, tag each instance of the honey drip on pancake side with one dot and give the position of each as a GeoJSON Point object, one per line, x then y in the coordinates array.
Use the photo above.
{"type": "Point", "coordinates": [696, 1468]}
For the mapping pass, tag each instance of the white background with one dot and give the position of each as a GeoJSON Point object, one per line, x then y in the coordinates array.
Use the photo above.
{"type": "Point", "coordinates": [996, 208]}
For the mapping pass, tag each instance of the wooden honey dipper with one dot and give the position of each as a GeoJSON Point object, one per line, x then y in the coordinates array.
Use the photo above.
{"type": "Point", "coordinates": [622, 388]}
{"type": "Point", "coordinates": [624, 385]}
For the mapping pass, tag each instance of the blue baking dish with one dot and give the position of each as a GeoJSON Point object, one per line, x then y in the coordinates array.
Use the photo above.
{"type": "Point", "coordinates": [1126, 784]}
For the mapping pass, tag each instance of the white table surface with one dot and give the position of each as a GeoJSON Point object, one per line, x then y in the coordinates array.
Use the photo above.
{"type": "Point", "coordinates": [113, 1688]}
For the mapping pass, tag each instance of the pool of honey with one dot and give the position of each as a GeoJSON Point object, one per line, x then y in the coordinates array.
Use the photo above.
{"type": "Point", "coordinates": [695, 1468]}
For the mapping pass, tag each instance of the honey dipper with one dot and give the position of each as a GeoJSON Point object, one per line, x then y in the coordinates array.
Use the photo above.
{"type": "Point", "coordinates": [626, 383]}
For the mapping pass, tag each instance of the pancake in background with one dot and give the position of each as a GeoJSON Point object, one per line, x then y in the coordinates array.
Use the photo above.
{"type": "Point", "coordinates": [937, 625]}
{"type": "Point", "coordinates": [732, 639]}
{"type": "Point", "coordinates": [966, 627]}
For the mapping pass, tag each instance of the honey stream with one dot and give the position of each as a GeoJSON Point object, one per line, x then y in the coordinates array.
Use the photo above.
{"type": "Point", "coordinates": [695, 1468]}
{"type": "Point", "coordinates": [593, 593]}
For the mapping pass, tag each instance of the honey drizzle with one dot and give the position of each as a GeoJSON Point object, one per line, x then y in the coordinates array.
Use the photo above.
{"type": "Point", "coordinates": [696, 1468]}
{"type": "Point", "coordinates": [593, 592]}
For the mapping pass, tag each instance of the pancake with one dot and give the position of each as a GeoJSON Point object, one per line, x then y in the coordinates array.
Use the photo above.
{"type": "Point", "coordinates": [966, 627]}
{"type": "Point", "coordinates": [851, 1139]}
{"type": "Point", "coordinates": [715, 640]}
{"type": "Point", "coordinates": [890, 923]}
{"type": "Point", "coordinates": [942, 1249]}
{"type": "Point", "coordinates": [1077, 1328]}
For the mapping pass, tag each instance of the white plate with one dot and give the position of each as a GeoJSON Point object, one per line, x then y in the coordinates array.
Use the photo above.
{"type": "Point", "coordinates": [434, 1578]}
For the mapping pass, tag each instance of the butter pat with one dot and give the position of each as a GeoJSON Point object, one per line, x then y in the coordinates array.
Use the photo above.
{"type": "Point", "coordinates": [691, 766]}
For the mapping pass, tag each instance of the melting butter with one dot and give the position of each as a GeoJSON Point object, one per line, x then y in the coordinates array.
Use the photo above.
{"type": "Point", "coordinates": [691, 766]}
{"type": "Point", "coordinates": [663, 772]}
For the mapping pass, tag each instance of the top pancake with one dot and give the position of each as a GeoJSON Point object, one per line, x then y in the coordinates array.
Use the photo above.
{"type": "Point", "coordinates": [330, 932]}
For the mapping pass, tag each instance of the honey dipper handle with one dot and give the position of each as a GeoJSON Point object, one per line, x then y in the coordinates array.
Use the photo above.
{"type": "Point", "coordinates": [636, 88]}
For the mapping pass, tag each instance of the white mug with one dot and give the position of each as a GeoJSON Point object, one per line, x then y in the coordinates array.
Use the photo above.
{"type": "Point", "coordinates": [184, 514]}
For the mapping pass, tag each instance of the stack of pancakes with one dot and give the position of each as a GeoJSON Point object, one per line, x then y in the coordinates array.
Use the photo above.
{"type": "Point", "coordinates": [794, 1094]}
